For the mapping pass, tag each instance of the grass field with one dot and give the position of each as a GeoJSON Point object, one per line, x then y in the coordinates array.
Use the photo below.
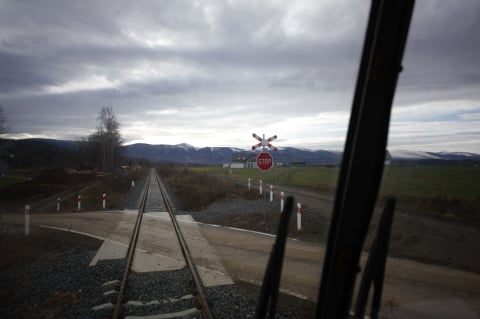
{"type": "Point", "coordinates": [7, 181]}
{"type": "Point", "coordinates": [445, 190]}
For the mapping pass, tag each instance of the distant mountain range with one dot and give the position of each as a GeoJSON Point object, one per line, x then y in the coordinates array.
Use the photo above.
{"type": "Point", "coordinates": [185, 153]}
{"type": "Point", "coordinates": [59, 153]}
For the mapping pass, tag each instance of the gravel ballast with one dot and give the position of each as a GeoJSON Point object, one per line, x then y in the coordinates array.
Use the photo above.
{"type": "Point", "coordinates": [51, 277]}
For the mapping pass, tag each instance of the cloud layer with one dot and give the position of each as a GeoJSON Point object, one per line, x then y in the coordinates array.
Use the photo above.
{"type": "Point", "coordinates": [210, 73]}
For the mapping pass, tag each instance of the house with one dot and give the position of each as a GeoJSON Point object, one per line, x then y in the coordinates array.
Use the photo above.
{"type": "Point", "coordinates": [243, 160]}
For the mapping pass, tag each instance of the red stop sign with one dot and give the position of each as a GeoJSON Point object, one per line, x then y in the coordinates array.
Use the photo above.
{"type": "Point", "coordinates": [264, 161]}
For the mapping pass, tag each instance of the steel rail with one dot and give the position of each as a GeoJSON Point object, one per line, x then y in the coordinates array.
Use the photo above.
{"type": "Point", "coordinates": [201, 298]}
{"type": "Point", "coordinates": [131, 251]}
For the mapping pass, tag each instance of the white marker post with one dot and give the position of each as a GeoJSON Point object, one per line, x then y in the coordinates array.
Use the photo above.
{"type": "Point", "coordinates": [104, 200]}
{"type": "Point", "coordinates": [133, 183]}
{"type": "Point", "coordinates": [282, 201]}
{"type": "Point", "coordinates": [249, 183]}
{"type": "Point", "coordinates": [260, 188]}
{"type": "Point", "coordinates": [79, 202]}
{"type": "Point", "coordinates": [299, 216]}
{"type": "Point", "coordinates": [58, 204]}
{"type": "Point", "coordinates": [27, 220]}
{"type": "Point", "coordinates": [271, 193]}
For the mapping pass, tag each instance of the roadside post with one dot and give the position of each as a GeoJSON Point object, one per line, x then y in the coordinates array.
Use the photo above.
{"type": "Point", "coordinates": [104, 200]}
{"type": "Point", "coordinates": [249, 183]}
{"type": "Point", "coordinates": [271, 193]}
{"type": "Point", "coordinates": [299, 216]}
{"type": "Point", "coordinates": [282, 201]}
{"type": "Point", "coordinates": [27, 220]}
{"type": "Point", "coordinates": [260, 187]}
{"type": "Point", "coordinates": [58, 204]}
{"type": "Point", "coordinates": [79, 202]}
{"type": "Point", "coordinates": [133, 183]}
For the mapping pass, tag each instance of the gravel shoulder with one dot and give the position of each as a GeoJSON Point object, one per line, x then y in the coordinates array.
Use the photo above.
{"type": "Point", "coordinates": [47, 274]}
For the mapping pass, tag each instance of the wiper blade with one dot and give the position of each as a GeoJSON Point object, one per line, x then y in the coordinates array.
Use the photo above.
{"type": "Point", "coordinates": [374, 271]}
{"type": "Point", "coordinates": [271, 279]}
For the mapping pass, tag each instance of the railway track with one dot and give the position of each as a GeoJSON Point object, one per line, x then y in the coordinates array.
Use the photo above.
{"type": "Point", "coordinates": [189, 300]}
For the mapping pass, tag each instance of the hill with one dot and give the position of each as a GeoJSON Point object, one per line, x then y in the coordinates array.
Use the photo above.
{"type": "Point", "coordinates": [62, 154]}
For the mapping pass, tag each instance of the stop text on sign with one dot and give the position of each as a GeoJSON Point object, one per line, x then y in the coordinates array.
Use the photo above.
{"type": "Point", "coordinates": [264, 161]}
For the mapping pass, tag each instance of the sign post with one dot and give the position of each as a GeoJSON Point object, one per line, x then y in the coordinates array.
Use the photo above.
{"type": "Point", "coordinates": [264, 163]}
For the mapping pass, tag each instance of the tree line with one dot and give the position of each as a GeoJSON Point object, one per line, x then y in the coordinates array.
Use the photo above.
{"type": "Point", "coordinates": [100, 150]}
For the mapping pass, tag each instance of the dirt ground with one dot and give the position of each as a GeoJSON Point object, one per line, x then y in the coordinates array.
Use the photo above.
{"type": "Point", "coordinates": [433, 240]}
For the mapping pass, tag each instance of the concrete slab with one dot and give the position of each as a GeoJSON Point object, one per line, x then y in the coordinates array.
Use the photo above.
{"type": "Point", "coordinates": [157, 246]}
{"type": "Point", "coordinates": [145, 261]}
{"type": "Point", "coordinates": [110, 249]}
{"type": "Point", "coordinates": [206, 258]}
{"type": "Point", "coordinates": [115, 245]}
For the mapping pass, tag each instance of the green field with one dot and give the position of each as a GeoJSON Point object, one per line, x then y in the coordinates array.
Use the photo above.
{"type": "Point", "coordinates": [316, 178]}
{"type": "Point", "coordinates": [449, 190]}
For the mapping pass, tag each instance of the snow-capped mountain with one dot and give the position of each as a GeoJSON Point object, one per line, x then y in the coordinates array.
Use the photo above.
{"type": "Point", "coordinates": [53, 153]}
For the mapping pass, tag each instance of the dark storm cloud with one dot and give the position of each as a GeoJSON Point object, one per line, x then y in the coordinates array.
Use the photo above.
{"type": "Point", "coordinates": [59, 60]}
{"type": "Point", "coordinates": [443, 46]}
{"type": "Point", "coordinates": [78, 39]}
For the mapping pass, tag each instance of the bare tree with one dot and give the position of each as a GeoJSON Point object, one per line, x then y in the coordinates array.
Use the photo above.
{"type": "Point", "coordinates": [107, 139]}
{"type": "Point", "coordinates": [3, 122]}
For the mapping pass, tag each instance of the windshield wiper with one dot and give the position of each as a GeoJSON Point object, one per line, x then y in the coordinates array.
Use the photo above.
{"type": "Point", "coordinates": [364, 155]}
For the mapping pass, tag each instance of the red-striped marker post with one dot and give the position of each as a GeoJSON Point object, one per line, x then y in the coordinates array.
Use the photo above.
{"type": "Point", "coordinates": [104, 200]}
{"type": "Point", "coordinates": [79, 202]}
{"type": "Point", "coordinates": [299, 216]}
{"type": "Point", "coordinates": [271, 193]}
{"type": "Point", "coordinates": [282, 201]}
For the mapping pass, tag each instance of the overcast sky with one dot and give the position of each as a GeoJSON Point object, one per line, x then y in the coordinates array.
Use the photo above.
{"type": "Point", "coordinates": [211, 73]}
